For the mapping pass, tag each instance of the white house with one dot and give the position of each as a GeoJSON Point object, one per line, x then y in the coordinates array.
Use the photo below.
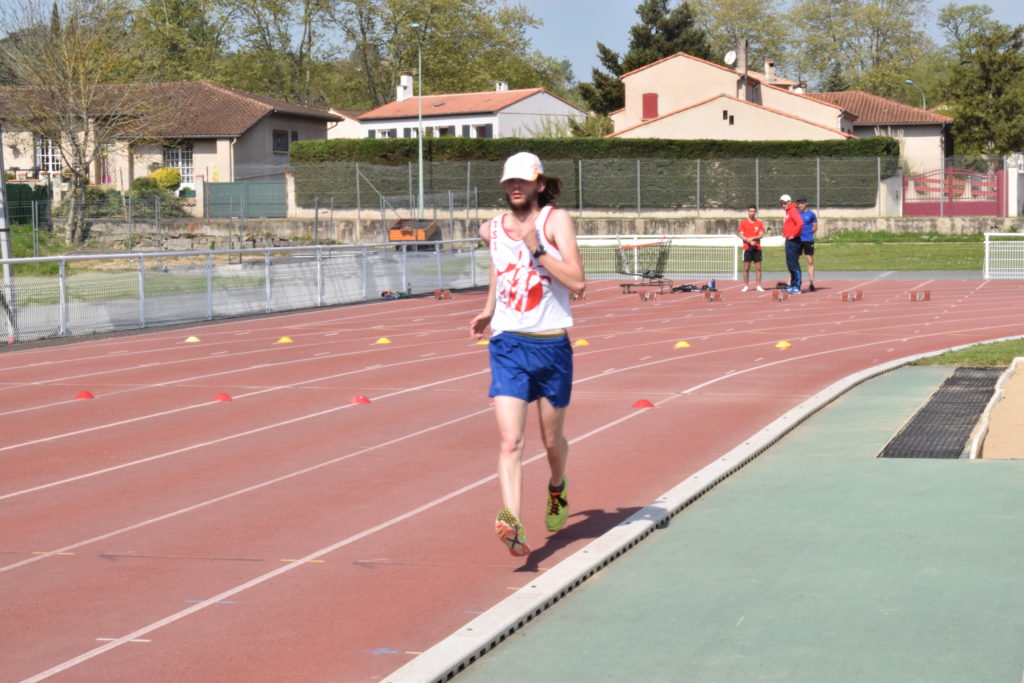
{"type": "Point", "coordinates": [348, 126]}
{"type": "Point", "coordinates": [500, 113]}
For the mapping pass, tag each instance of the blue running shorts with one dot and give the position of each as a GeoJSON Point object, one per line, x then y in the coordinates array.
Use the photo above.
{"type": "Point", "coordinates": [531, 367]}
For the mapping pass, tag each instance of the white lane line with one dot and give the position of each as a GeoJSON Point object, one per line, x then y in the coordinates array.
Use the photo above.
{"type": "Point", "coordinates": [193, 406]}
{"type": "Point", "coordinates": [229, 437]}
{"type": "Point", "coordinates": [231, 592]}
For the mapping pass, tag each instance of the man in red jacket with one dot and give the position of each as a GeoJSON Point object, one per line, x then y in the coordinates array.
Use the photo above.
{"type": "Point", "coordinates": [791, 226]}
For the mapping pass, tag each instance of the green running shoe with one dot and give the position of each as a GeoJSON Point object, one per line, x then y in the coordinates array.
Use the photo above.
{"type": "Point", "coordinates": [558, 507]}
{"type": "Point", "coordinates": [511, 533]}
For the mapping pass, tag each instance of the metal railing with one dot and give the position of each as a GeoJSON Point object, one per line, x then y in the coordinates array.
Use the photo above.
{"type": "Point", "coordinates": [88, 294]}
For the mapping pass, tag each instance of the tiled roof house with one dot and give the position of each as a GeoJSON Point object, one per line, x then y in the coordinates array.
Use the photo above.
{"type": "Point", "coordinates": [684, 97]}
{"type": "Point", "coordinates": [495, 114]}
{"type": "Point", "coordinates": [923, 135]}
{"type": "Point", "coordinates": [213, 131]}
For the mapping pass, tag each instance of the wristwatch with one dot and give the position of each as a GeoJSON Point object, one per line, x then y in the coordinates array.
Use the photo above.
{"type": "Point", "coordinates": [540, 251]}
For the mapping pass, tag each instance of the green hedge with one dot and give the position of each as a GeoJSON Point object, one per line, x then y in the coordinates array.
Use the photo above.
{"type": "Point", "coordinates": [402, 151]}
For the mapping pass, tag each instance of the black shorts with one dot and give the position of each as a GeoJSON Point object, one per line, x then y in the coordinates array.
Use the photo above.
{"type": "Point", "coordinates": [807, 247]}
{"type": "Point", "coordinates": [752, 255]}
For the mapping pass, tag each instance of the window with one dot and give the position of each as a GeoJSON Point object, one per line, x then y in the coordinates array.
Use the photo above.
{"type": "Point", "coordinates": [650, 105]}
{"type": "Point", "coordinates": [371, 133]}
{"type": "Point", "coordinates": [180, 157]}
{"type": "Point", "coordinates": [485, 131]}
{"type": "Point", "coordinates": [280, 141]}
{"type": "Point", "coordinates": [47, 156]}
{"type": "Point", "coordinates": [295, 136]}
{"type": "Point", "coordinates": [445, 131]}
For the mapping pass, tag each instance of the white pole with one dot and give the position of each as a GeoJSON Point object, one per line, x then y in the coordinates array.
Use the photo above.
{"type": "Point", "coordinates": [5, 252]}
{"type": "Point", "coordinates": [419, 135]}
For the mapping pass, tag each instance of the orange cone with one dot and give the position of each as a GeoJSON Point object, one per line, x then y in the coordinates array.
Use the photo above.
{"type": "Point", "coordinates": [222, 397]}
{"type": "Point", "coordinates": [84, 394]}
{"type": "Point", "coordinates": [643, 403]}
{"type": "Point", "coordinates": [359, 399]}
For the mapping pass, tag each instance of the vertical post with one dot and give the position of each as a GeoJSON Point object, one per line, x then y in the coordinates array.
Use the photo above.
{"type": "Point", "coordinates": [142, 291]}
{"type": "Point", "coordinates": [638, 188]}
{"type": "Point", "coordinates": [209, 286]}
{"type": "Point", "coordinates": [316, 220]}
{"type": "Point", "coordinates": [472, 264]}
{"type": "Point", "coordinates": [405, 269]}
{"type": "Point", "coordinates": [409, 168]}
{"type": "Point", "coordinates": [366, 273]}
{"type": "Point", "coordinates": [817, 184]}
{"type": "Point", "coordinates": [580, 168]}
{"type": "Point", "coordinates": [469, 180]}
{"type": "Point", "coordinates": [878, 184]}
{"type": "Point", "coordinates": [6, 252]}
{"type": "Point", "coordinates": [698, 188]}
{"type": "Point", "coordinates": [437, 259]}
{"type": "Point", "coordinates": [35, 228]}
{"type": "Point", "coordinates": [757, 182]}
{"type": "Point", "coordinates": [62, 288]}
{"type": "Point", "coordinates": [129, 223]}
{"type": "Point", "coordinates": [359, 203]}
{"type": "Point", "coordinates": [319, 276]}
{"type": "Point", "coordinates": [266, 277]}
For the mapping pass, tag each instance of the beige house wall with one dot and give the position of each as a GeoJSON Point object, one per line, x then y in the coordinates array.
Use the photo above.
{"type": "Point", "coordinates": [679, 82]}
{"type": "Point", "coordinates": [804, 107]}
{"type": "Point", "coordinates": [922, 148]}
{"type": "Point", "coordinates": [711, 120]}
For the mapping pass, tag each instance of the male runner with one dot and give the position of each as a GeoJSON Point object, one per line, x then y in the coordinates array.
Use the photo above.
{"type": "Point", "coordinates": [751, 231]}
{"type": "Point", "coordinates": [535, 265]}
{"type": "Point", "coordinates": [791, 226]}
{"type": "Point", "coordinates": [807, 233]}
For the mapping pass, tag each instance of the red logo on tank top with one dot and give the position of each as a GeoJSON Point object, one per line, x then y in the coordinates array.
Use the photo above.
{"type": "Point", "coordinates": [520, 287]}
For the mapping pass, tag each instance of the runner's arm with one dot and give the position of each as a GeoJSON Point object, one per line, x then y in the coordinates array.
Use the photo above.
{"type": "Point", "coordinates": [481, 321]}
{"type": "Point", "coordinates": [568, 271]}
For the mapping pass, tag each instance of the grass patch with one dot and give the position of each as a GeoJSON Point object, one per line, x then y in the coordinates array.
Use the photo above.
{"type": "Point", "coordinates": [995, 354]}
{"type": "Point", "coordinates": [833, 256]}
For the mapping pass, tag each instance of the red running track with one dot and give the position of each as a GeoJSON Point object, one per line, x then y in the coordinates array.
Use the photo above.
{"type": "Point", "coordinates": [288, 534]}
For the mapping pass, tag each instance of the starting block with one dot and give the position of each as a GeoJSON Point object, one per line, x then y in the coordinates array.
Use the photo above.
{"type": "Point", "coordinates": [649, 296]}
{"type": "Point", "coordinates": [856, 295]}
{"type": "Point", "coordinates": [781, 295]}
{"type": "Point", "coordinates": [443, 294]}
{"type": "Point", "coordinates": [921, 295]}
{"type": "Point", "coordinates": [712, 295]}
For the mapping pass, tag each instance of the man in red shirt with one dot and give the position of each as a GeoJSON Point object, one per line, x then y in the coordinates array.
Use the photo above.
{"type": "Point", "coordinates": [791, 226]}
{"type": "Point", "coordinates": [751, 231]}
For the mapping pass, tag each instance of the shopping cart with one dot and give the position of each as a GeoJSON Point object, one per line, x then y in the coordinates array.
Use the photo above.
{"type": "Point", "coordinates": [645, 261]}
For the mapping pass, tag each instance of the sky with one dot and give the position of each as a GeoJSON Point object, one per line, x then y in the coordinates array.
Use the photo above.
{"type": "Point", "coordinates": [572, 28]}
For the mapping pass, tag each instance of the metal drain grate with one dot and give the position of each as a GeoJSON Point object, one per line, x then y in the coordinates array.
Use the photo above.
{"type": "Point", "coordinates": [942, 427]}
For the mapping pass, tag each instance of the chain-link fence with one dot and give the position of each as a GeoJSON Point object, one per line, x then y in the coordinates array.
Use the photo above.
{"type": "Point", "coordinates": [602, 184]}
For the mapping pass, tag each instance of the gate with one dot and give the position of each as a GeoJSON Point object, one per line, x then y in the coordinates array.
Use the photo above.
{"type": "Point", "coordinates": [954, 192]}
{"type": "Point", "coordinates": [246, 200]}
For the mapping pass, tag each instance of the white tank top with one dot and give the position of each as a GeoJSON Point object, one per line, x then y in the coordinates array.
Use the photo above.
{"type": "Point", "coordinates": [529, 299]}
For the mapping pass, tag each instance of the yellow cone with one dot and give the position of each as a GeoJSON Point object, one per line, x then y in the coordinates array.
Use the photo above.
{"type": "Point", "coordinates": [192, 340]}
{"type": "Point", "coordinates": [581, 342]}
{"type": "Point", "coordinates": [483, 342]}
{"type": "Point", "coordinates": [285, 340]}
{"type": "Point", "coordinates": [783, 345]}
{"type": "Point", "coordinates": [383, 340]}
{"type": "Point", "coordinates": [682, 345]}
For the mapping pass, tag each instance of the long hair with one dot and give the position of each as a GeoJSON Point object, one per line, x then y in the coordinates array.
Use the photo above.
{"type": "Point", "coordinates": [552, 188]}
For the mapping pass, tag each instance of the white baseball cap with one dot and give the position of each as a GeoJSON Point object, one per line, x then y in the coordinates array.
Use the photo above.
{"type": "Point", "coordinates": [785, 198]}
{"type": "Point", "coordinates": [524, 165]}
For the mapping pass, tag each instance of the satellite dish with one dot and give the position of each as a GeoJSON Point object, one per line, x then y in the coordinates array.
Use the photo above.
{"type": "Point", "coordinates": [730, 57]}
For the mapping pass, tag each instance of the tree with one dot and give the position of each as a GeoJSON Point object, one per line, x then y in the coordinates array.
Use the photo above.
{"type": "Point", "coordinates": [182, 40]}
{"type": "Point", "coordinates": [865, 44]}
{"type": "Point", "coordinates": [756, 21]}
{"type": "Point", "coordinates": [660, 33]}
{"type": "Point", "coordinates": [281, 48]}
{"type": "Point", "coordinates": [466, 45]}
{"type": "Point", "coordinates": [64, 66]}
{"type": "Point", "coordinates": [986, 89]}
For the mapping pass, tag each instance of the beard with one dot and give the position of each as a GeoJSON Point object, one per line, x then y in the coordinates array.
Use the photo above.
{"type": "Point", "coordinates": [527, 199]}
